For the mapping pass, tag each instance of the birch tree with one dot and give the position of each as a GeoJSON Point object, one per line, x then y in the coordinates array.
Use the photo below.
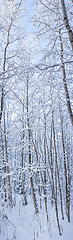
{"type": "Point", "coordinates": [49, 22]}
{"type": "Point", "coordinates": [66, 22]}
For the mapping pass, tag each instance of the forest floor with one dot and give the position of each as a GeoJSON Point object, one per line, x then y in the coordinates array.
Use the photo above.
{"type": "Point", "coordinates": [21, 223]}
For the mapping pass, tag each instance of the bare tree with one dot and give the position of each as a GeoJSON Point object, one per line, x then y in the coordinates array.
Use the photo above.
{"type": "Point", "coordinates": [64, 80]}
{"type": "Point", "coordinates": [66, 22]}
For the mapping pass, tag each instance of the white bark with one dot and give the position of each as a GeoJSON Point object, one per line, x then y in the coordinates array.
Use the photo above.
{"type": "Point", "coordinates": [66, 22]}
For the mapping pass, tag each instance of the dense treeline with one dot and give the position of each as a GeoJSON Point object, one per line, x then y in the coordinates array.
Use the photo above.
{"type": "Point", "coordinates": [36, 107]}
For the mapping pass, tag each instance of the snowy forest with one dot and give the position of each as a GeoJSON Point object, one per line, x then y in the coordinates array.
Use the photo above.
{"type": "Point", "coordinates": [36, 119]}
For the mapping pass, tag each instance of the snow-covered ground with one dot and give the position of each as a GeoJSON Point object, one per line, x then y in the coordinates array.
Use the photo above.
{"type": "Point", "coordinates": [21, 223]}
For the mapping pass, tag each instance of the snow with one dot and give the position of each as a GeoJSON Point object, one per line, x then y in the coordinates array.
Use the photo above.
{"type": "Point", "coordinates": [21, 223]}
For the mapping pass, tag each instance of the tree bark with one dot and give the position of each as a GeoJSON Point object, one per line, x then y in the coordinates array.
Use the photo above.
{"type": "Point", "coordinates": [4, 65]}
{"type": "Point", "coordinates": [30, 157]}
{"type": "Point", "coordinates": [65, 83]}
{"type": "Point", "coordinates": [66, 22]}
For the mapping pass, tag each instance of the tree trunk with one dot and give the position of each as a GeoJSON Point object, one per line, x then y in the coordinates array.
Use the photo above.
{"type": "Point", "coordinates": [66, 22]}
{"type": "Point", "coordinates": [30, 162]}
{"type": "Point", "coordinates": [65, 83]}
